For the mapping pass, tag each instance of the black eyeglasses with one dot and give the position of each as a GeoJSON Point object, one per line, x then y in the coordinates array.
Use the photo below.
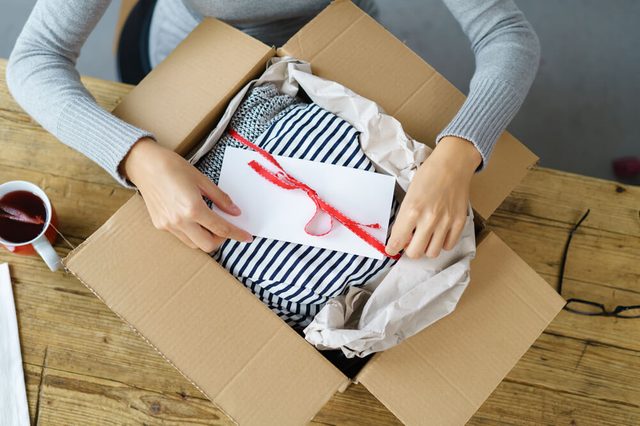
{"type": "Point", "coordinates": [587, 307]}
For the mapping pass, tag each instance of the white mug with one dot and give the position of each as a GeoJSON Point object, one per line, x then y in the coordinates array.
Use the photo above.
{"type": "Point", "coordinates": [40, 243]}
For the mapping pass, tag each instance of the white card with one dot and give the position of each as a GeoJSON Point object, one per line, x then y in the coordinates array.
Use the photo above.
{"type": "Point", "coordinates": [273, 212]}
{"type": "Point", "coordinates": [13, 397]}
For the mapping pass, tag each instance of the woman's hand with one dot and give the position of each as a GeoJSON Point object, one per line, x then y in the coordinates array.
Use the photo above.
{"type": "Point", "coordinates": [172, 190]}
{"type": "Point", "coordinates": [434, 210]}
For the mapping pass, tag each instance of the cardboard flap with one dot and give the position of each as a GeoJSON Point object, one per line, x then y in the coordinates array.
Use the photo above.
{"type": "Point", "coordinates": [346, 45]}
{"type": "Point", "coordinates": [181, 99]}
{"type": "Point", "coordinates": [204, 322]}
{"type": "Point", "coordinates": [447, 371]}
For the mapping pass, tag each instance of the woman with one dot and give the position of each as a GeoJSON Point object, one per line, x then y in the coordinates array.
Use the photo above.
{"type": "Point", "coordinates": [42, 77]}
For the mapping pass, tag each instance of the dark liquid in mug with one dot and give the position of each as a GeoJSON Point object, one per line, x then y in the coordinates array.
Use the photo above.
{"type": "Point", "coordinates": [31, 205]}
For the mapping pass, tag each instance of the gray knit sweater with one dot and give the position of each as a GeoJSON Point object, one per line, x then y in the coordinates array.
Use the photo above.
{"type": "Point", "coordinates": [42, 76]}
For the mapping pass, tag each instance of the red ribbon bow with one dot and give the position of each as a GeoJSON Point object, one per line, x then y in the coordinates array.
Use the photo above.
{"type": "Point", "coordinates": [284, 180]}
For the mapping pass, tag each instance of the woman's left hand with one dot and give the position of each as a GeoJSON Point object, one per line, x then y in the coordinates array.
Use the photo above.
{"type": "Point", "coordinates": [434, 210]}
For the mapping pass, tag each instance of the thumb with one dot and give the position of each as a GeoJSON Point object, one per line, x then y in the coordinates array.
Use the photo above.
{"type": "Point", "coordinates": [219, 197]}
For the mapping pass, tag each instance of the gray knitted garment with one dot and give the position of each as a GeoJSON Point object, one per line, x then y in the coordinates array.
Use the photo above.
{"type": "Point", "coordinates": [263, 106]}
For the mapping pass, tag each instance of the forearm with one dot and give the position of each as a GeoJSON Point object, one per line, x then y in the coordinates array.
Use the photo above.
{"type": "Point", "coordinates": [507, 53]}
{"type": "Point", "coordinates": [42, 77]}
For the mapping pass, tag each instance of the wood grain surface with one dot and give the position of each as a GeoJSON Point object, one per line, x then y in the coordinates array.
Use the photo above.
{"type": "Point", "coordinates": [84, 366]}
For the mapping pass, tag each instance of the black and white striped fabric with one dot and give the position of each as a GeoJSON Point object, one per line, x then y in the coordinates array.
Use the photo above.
{"type": "Point", "coordinates": [296, 280]}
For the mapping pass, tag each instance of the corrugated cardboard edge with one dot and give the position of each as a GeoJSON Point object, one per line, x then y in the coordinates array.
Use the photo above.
{"type": "Point", "coordinates": [182, 97]}
{"type": "Point", "coordinates": [198, 134]}
{"type": "Point", "coordinates": [460, 400]}
{"type": "Point", "coordinates": [132, 327]}
{"type": "Point", "coordinates": [222, 397]}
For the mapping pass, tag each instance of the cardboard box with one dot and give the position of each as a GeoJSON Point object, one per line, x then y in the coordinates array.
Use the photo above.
{"type": "Point", "coordinates": [219, 335]}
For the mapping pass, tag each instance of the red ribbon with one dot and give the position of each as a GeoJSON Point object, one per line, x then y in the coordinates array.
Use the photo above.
{"type": "Point", "coordinates": [284, 180]}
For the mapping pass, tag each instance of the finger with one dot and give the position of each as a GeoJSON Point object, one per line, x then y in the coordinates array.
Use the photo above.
{"type": "Point", "coordinates": [219, 197]}
{"type": "Point", "coordinates": [182, 237]}
{"type": "Point", "coordinates": [217, 241]}
{"type": "Point", "coordinates": [401, 232]}
{"type": "Point", "coordinates": [220, 227]}
{"type": "Point", "coordinates": [420, 241]}
{"type": "Point", "coordinates": [454, 234]}
{"type": "Point", "coordinates": [435, 245]}
{"type": "Point", "coordinates": [201, 237]}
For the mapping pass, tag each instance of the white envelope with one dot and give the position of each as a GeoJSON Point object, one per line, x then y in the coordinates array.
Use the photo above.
{"type": "Point", "coordinates": [273, 212]}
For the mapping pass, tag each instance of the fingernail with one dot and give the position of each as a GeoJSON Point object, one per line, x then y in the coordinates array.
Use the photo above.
{"type": "Point", "coordinates": [392, 248]}
{"type": "Point", "coordinates": [233, 209]}
{"type": "Point", "coordinates": [249, 239]}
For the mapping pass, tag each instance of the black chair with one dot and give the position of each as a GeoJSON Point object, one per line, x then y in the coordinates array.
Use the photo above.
{"type": "Point", "coordinates": [133, 46]}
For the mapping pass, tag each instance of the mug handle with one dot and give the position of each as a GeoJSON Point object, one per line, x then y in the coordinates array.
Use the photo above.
{"type": "Point", "coordinates": [47, 253]}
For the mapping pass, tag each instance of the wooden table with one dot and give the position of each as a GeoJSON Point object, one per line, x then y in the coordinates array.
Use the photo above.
{"type": "Point", "coordinates": [85, 366]}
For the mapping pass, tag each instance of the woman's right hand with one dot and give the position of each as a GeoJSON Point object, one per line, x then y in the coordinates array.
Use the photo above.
{"type": "Point", "coordinates": [172, 190]}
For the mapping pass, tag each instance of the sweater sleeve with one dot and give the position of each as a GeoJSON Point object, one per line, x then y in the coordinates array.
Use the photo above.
{"type": "Point", "coordinates": [507, 52]}
{"type": "Point", "coordinates": [42, 77]}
